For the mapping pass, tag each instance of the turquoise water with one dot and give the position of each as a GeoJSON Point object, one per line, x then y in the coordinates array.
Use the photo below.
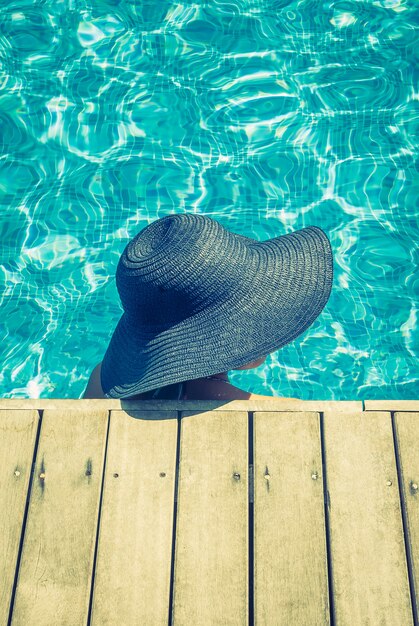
{"type": "Point", "coordinates": [268, 116]}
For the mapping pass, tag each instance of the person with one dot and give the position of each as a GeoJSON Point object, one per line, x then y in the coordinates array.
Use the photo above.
{"type": "Point", "coordinates": [200, 300]}
{"type": "Point", "coordinates": [216, 387]}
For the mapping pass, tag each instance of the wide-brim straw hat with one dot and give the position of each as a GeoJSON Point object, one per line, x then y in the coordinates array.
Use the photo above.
{"type": "Point", "coordinates": [199, 299]}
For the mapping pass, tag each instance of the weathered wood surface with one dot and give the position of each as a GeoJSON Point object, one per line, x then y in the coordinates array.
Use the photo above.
{"type": "Point", "coordinates": [132, 581]}
{"type": "Point", "coordinates": [290, 572]}
{"type": "Point", "coordinates": [391, 405]}
{"type": "Point", "coordinates": [369, 570]}
{"type": "Point", "coordinates": [268, 404]}
{"type": "Point", "coordinates": [407, 437]}
{"type": "Point", "coordinates": [17, 442]}
{"type": "Point", "coordinates": [55, 573]}
{"type": "Point", "coordinates": [233, 514]}
{"type": "Point", "coordinates": [211, 553]}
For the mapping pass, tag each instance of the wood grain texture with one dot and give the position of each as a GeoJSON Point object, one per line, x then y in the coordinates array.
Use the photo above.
{"type": "Point", "coordinates": [211, 554]}
{"type": "Point", "coordinates": [392, 405]}
{"type": "Point", "coordinates": [132, 580]}
{"type": "Point", "coordinates": [57, 556]}
{"type": "Point", "coordinates": [268, 404]}
{"type": "Point", "coordinates": [407, 438]}
{"type": "Point", "coordinates": [290, 564]}
{"type": "Point", "coordinates": [369, 570]}
{"type": "Point", "coordinates": [17, 441]}
{"type": "Point", "coordinates": [325, 476]}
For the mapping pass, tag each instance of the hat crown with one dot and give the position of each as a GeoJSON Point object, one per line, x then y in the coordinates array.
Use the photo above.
{"type": "Point", "coordinates": [177, 266]}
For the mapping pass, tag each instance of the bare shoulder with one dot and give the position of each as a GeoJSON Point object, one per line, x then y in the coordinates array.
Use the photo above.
{"type": "Point", "coordinates": [94, 387]}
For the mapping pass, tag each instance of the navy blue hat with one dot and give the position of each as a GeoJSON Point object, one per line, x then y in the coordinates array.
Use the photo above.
{"type": "Point", "coordinates": [199, 299]}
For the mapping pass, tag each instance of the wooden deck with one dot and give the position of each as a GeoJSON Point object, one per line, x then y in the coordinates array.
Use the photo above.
{"type": "Point", "coordinates": [193, 513]}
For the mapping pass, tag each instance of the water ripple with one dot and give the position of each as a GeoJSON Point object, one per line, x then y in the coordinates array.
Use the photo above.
{"type": "Point", "coordinates": [268, 116]}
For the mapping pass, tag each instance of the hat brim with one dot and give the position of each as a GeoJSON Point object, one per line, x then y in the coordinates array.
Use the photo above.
{"type": "Point", "coordinates": [281, 300]}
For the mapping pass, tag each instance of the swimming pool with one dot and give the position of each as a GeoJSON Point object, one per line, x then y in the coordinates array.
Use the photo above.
{"type": "Point", "coordinates": [268, 116]}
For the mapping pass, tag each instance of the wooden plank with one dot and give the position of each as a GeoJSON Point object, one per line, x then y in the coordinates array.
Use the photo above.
{"type": "Point", "coordinates": [407, 437]}
{"type": "Point", "coordinates": [370, 580]}
{"type": "Point", "coordinates": [17, 441]}
{"type": "Point", "coordinates": [391, 405]}
{"type": "Point", "coordinates": [132, 581]}
{"type": "Point", "coordinates": [290, 573]}
{"type": "Point", "coordinates": [57, 558]}
{"type": "Point", "coordinates": [211, 550]}
{"type": "Point", "coordinates": [264, 404]}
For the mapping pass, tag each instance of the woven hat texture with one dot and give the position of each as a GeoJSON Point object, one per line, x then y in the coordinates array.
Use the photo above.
{"type": "Point", "coordinates": [199, 299]}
